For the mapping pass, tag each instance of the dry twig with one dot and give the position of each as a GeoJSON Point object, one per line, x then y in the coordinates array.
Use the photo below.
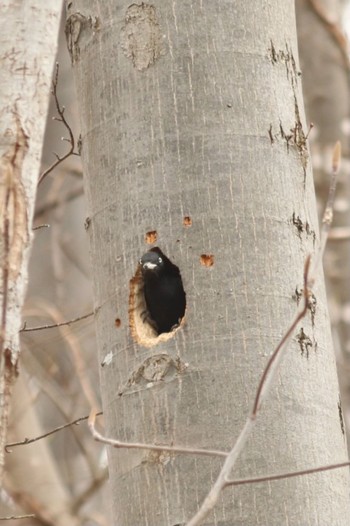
{"type": "Point", "coordinates": [54, 325]}
{"type": "Point", "coordinates": [61, 118]}
{"type": "Point", "coordinates": [27, 441]}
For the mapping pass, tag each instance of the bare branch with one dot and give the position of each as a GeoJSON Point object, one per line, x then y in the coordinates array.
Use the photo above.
{"type": "Point", "coordinates": [15, 517]}
{"type": "Point", "coordinates": [272, 364]}
{"type": "Point", "coordinates": [27, 441]}
{"type": "Point", "coordinates": [41, 226]}
{"type": "Point", "coordinates": [268, 478]}
{"type": "Point", "coordinates": [152, 447]}
{"type": "Point", "coordinates": [60, 118]}
{"type": "Point", "coordinates": [53, 325]}
{"type": "Point", "coordinates": [328, 211]}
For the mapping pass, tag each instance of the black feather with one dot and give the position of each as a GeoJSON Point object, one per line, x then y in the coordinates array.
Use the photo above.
{"type": "Point", "coordinates": [164, 293]}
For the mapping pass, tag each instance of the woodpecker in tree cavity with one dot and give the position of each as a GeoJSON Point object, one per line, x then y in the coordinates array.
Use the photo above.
{"type": "Point", "coordinates": [164, 294]}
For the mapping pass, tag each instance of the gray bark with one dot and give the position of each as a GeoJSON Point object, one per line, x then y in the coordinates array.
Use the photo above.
{"type": "Point", "coordinates": [194, 110]}
{"type": "Point", "coordinates": [325, 67]}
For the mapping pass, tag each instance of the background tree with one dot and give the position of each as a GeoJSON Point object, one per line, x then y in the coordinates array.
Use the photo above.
{"type": "Point", "coordinates": [24, 95]}
{"type": "Point", "coordinates": [194, 137]}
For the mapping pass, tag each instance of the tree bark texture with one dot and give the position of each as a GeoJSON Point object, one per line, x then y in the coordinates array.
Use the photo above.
{"type": "Point", "coordinates": [28, 44]}
{"type": "Point", "coordinates": [193, 132]}
{"type": "Point", "coordinates": [325, 68]}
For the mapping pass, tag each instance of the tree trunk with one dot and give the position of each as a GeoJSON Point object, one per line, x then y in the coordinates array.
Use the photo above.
{"type": "Point", "coordinates": [325, 68]}
{"type": "Point", "coordinates": [194, 138]}
{"type": "Point", "coordinates": [28, 44]}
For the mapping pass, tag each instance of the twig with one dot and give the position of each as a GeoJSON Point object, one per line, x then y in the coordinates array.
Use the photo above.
{"type": "Point", "coordinates": [273, 363]}
{"type": "Point", "coordinates": [27, 441]}
{"type": "Point", "coordinates": [267, 478]}
{"type": "Point", "coordinates": [328, 212]}
{"type": "Point", "coordinates": [61, 118]}
{"type": "Point", "coordinates": [15, 517]}
{"type": "Point", "coordinates": [136, 445]}
{"type": "Point", "coordinates": [53, 325]}
{"type": "Point", "coordinates": [41, 226]}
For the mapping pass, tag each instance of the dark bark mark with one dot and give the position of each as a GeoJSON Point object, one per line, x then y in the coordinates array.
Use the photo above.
{"type": "Point", "coordinates": [296, 136]}
{"type": "Point", "coordinates": [297, 222]}
{"type": "Point", "coordinates": [341, 418]}
{"type": "Point", "coordinates": [11, 365]}
{"type": "Point", "coordinates": [305, 343]}
{"type": "Point", "coordinates": [75, 24]}
{"type": "Point", "coordinates": [272, 53]}
{"type": "Point", "coordinates": [303, 227]}
{"type": "Point", "coordinates": [312, 302]}
{"type": "Point", "coordinates": [141, 36]}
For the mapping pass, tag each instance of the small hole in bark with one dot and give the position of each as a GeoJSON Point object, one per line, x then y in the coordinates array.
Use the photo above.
{"type": "Point", "coordinates": [157, 299]}
{"type": "Point", "coordinates": [117, 323]}
{"type": "Point", "coordinates": [187, 221]}
{"type": "Point", "coordinates": [151, 237]}
{"type": "Point", "coordinates": [207, 260]}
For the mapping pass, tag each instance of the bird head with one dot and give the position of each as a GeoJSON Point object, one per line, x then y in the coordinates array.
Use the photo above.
{"type": "Point", "coordinates": [152, 261]}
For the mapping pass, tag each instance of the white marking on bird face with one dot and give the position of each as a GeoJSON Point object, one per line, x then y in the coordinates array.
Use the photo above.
{"type": "Point", "coordinates": [150, 266]}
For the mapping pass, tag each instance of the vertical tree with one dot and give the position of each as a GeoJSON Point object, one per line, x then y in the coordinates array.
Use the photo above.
{"type": "Point", "coordinates": [27, 57]}
{"type": "Point", "coordinates": [194, 140]}
{"type": "Point", "coordinates": [326, 87]}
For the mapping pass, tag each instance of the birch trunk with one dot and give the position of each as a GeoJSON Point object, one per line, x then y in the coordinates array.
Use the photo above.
{"type": "Point", "coordinates": [194, 134]}
{"type": "Point", "coordinates": [28, 44]}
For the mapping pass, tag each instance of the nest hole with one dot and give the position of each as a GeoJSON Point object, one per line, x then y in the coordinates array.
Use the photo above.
{"type": "Point", "coordinates": [143, 329]}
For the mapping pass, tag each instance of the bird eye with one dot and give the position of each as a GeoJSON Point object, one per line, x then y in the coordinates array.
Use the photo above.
{"type": "Point", "coordinates": [160, 260]}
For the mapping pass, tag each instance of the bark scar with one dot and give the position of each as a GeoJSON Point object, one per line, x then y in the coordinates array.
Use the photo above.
{"type": "Point", "coordinates": [141, 38]}
{"type": "Point", "coordinates": [13, 204]}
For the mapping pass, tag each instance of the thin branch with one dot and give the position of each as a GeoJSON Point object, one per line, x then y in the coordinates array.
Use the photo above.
{"type": "Point", "coordinates": [272, 364]}
{"type": "Point", "coordinates": [267, 478]}
{"type": "Point", "coordinates": [136, 445]}
{"type": "Point", "coordinates": [53, 325]}
{"type": "Point", "coordinates": [328, 211]}
{"type": "Point", "coordinates": [61, 118]}
{"type": "Point", "coordinates": [27, 441]}
{"type": "Point", "coordinates": [41, 226]}
{"type": "Point", "coordinates": [15, 517]}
